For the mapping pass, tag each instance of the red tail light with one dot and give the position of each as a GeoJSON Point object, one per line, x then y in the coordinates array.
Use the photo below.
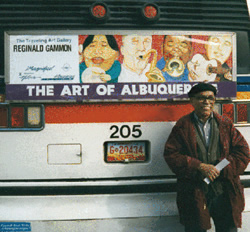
{"type": "Point", "coordinates": [237, 112]}
{"type": "Point", "coordinates": [99, 11]}
{"type": "Point", "coordinates": [17, 117]}
{"type": "Point", "coordinates": [228, 110]}
{"type": "Point", "coordinates": [150, 12]}
{"type": "Point", "coordinates": [241, 113]}
{"type": "Point", "coordinates": [4, 117]}
{"type": "Point", "coordinates": [21, 117]}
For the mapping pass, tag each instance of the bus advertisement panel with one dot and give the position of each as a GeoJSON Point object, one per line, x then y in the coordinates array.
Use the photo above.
{"type": "Point", "coordinates": [118, 65]}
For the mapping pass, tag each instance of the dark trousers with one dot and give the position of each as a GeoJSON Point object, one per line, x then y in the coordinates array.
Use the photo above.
{"type": "Point", "coordinates": [221, 213]}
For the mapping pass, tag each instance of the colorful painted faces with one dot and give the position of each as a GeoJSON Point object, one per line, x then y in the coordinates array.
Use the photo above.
{"type": "Point", "coordinates": [134, 49]}
{"type": "Point", "coordinates": [177, 47]}
{"type": "Point", "coordinates": [177, 63]}
{"type": "Point", "coordinates": [219, 48]}
{"type": "Point", "coordinates": [100, 51]}
{"type": "Point", "coordinates": [212, 67]}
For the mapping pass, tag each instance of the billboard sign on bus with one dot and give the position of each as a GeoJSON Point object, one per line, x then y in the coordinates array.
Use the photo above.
{"type": "Point", "coordinates": [116, 65]}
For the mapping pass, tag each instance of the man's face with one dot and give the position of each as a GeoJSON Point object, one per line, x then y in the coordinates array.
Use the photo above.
{"type": "Point", "coordinates": [178, 47]}
{"type": "Point", "coordinates": [219, 48]}
{"type": "Point", "coordinates": [203, 103]}
{"type": "Point", "coordinates": [133, 49]}
{"type": "Point", "coordinates": [136, 45]}
{"type": "Point", "coordinates": [99, 54]}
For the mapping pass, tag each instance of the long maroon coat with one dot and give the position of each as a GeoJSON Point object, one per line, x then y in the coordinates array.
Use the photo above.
{"type": "Point", "coordinates": [181, 156]}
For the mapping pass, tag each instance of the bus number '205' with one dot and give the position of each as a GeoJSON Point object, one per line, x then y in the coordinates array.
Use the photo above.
{"type": "Point", "coordinates": [125, 131]}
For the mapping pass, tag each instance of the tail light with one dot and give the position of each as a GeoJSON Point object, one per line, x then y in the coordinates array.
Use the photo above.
{"type": "Point", "coordinates": [99, 12]}
{"type": "Point", "coordinates": [3, 117]}
{"type": "Point", "coordinates": [17, 116]}
{"type": "Point", "coordinates": [21, 117]}
{"type": "Point", "coordinates": [150, 12]}
{"type": "Point", "coordinates": [2, 97]}
{"type": "Point", "coordinates": [238, 112]}
{"type": "Point", "coordinates": [228, 110]}
{"type": "Point", "coordinates": [34, 116]}
{"type": "Point", "coordinates": [242, 113]}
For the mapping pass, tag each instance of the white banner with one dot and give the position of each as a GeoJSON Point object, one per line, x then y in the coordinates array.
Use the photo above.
{"type": "Point", "coordinates": [44, 59]}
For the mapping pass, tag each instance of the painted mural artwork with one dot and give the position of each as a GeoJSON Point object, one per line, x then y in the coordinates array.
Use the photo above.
{"type": "Point", "coordinates": [157, 58]}
{"type": "Point", "coordinates": [122, 65]}
{"type": "Point", "coordinates": [99, 56]}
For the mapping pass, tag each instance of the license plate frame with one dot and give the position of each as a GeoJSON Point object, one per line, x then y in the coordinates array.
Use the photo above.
{"type": "Point", "coordinates": [126, 151]}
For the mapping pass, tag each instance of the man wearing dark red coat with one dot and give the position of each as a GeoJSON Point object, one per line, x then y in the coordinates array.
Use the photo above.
{"type": "Point", "coordinates": [196, 144]}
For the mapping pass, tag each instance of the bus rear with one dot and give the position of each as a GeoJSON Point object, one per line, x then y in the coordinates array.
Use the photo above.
{"type": "Point", "coordinates": [82, 148]}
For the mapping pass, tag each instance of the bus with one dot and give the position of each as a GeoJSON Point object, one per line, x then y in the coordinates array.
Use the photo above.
{"type": "Point", "coordinates": [89, 93]}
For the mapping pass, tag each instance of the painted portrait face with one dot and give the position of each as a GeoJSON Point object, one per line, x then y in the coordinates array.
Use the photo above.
{"type": "Point", "coordinates": [99, 53]}
{"type": "Point", "coordinates": [178, 47]}
{"type": "Point", "coordinates": [133, 49]}
{"type": "Point", "coordinates": [219, 48]}
{"type": "Point", "coordinates": [136, 45]}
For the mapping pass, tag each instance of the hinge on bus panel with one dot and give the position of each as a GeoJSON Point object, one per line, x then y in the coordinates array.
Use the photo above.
{"type": "Point", "coordinates": [64, 154]}
{"type": "Point", "coordinates": [126, 161]}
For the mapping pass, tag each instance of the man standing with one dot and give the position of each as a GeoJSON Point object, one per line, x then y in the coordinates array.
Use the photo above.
{"type": "Point", "coordinates": [196, 144]}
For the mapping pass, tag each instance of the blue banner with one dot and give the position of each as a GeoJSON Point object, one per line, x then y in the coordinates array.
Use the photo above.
{"type": "Point", "coordinates": [117, 91]}
{"type": "Point", "coordinates": [15, 226]}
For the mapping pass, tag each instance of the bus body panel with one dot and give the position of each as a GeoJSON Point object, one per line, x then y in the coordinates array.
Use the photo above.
{"type": "Point", "coordinates": [56, 177]}
{"type": "Point", "coordinates": [32, 162]}
{"type": "Point", "coordinates": [122, 212]}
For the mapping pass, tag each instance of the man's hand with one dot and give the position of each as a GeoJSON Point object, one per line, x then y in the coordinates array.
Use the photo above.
{"type": "Point", "coordinates": [210, 171]}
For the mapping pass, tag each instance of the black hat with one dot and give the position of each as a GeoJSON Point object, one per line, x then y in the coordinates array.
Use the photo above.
{"type": "Point", "coordinates": [201, 87]}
